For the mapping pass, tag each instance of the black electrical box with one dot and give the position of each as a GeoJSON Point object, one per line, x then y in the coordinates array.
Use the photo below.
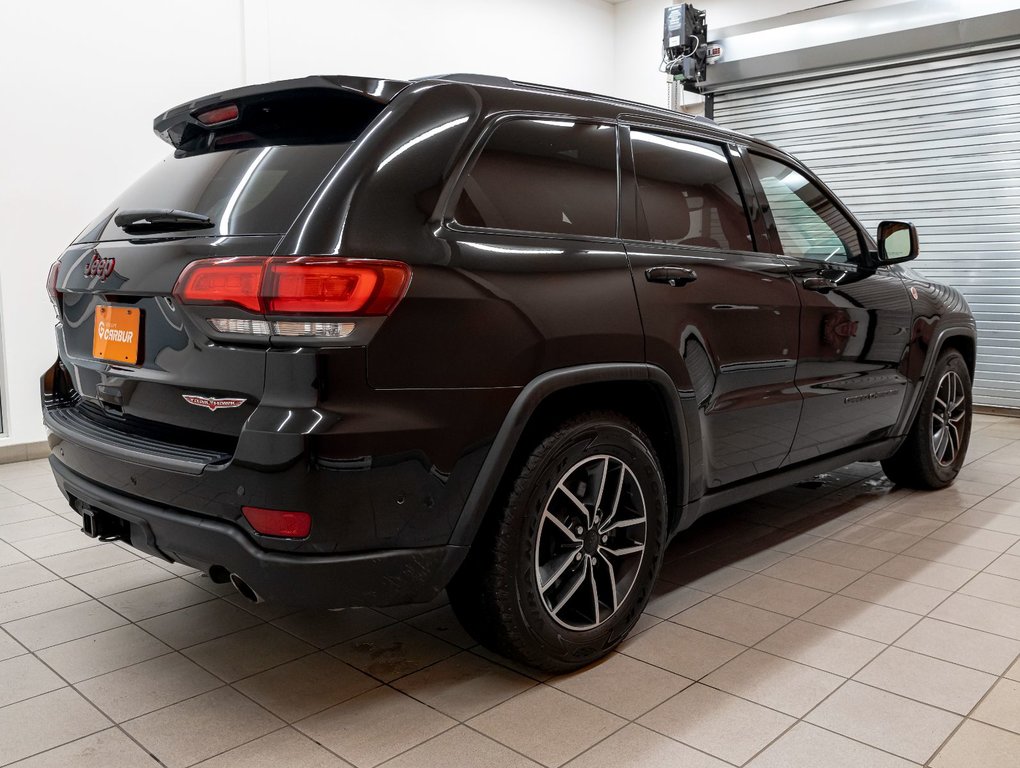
{"type": "Point", "coordinates": [684, 42]}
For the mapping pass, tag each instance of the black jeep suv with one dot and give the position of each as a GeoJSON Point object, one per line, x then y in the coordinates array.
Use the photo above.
{"type": "Point", "coordinates": [357, 341]}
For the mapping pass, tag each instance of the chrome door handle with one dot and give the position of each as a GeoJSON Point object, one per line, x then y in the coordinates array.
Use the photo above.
{"type": "Point", "coordinates": [820, 284]}
{"type": "Point", "coordinates": [674, 276]}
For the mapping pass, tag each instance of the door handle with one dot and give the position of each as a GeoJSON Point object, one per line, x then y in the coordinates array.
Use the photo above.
{"type": "Point", "coordinates": [674, 276]}
{"type": "Point", "coordinates": [820, 284]}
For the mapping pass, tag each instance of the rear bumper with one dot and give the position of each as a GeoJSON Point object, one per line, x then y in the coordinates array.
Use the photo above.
{"type": "Point", "coordinates": [386, 577]}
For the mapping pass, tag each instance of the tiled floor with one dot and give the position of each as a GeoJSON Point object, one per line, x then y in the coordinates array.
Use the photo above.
{"type": "Point", "coordinates": [837, 623]}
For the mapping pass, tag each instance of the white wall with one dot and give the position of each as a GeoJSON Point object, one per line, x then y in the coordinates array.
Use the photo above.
{"type": "Point", "coordinates": [81, 80]}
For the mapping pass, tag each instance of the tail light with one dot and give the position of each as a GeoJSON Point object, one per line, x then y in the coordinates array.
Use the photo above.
{"type": "Point", "coordinates": [51, 286]}
{"type": "Point", "coordinates": [278, 522]}
{"type": "Point", "coordinates": [311, 287]}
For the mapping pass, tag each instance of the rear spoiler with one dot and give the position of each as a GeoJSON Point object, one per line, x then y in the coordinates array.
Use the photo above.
{"type": "Point", "coordinates": [309, 110]}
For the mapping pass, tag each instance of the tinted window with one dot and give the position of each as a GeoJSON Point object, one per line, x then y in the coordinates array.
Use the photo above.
{"type": "Point", "coordinates": [809, 224]}
{"type": "Point", "coordinates": [687, 193]}
{"type": "Point", "coordinates": [544, 176]}
{"type": "Point", "coordinates": [243, 191]}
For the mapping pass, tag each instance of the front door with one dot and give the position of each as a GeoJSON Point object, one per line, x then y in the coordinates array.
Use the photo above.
{"type": "Point", "coordinates": [854, 319]}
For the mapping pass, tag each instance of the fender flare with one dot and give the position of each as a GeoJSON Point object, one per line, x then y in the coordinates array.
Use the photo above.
{"type": "Point", "coordinates": [913, 405]}
{"type": "Point", "coordinates": [527, 402]}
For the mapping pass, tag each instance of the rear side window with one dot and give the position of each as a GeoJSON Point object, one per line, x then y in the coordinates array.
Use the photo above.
{"type": "Point", "coordinates": [687, 193]}
{"type": "Point", "coordinates": [243, 191]}
{"type": "Point", "coordinates": [809, 224]}
{"type": "Point", "coordinates": [555, 176]}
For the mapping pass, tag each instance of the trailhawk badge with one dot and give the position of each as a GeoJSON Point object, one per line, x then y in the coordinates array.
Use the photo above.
{"type": "Point", "coordinates": [215, 403]}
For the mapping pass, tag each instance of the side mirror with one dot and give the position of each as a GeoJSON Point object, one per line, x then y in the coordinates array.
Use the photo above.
{"type": "Point", "coordinates": [897, 241]}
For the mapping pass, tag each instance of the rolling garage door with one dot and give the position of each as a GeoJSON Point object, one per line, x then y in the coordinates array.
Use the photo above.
{"type": "Point", "coordinates": [936, 143]}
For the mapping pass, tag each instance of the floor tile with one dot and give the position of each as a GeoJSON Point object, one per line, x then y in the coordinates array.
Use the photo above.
{"type": "Point", "coordinates": [968, 611]}
{"type": "Point", "coordinates": [58, 543]}
{"type": "Point", "coordinates": [893, 593]}
{"type": "Point", "coordinates": [961, 645]}
{"type": "Point", "coordinates": [46, 721]}
{"type": "Point", "coordinates": [247, 652]}
{"type": "Point", "coordinates": [848, 555]}
{"type": "Point", "coordinates": [9, 554]}
{"type": "Point", "coordinates": [394, 651]}
{"type": "Point", "coordinates": [460, 747]}
{"type": "Point", "coordinates": [951, 553]}
{"type": "Point", "coordinates": [814, 573]}
{"type": "Point", "coordinates": [302, 687]}
{"type": "Point", "coordinates": [1006, 565]}
{"type": "Point", "coordinates": [1001, 707]}
{"type": "Point", "coordinates": [731, 620]}
{"type": "Point", "coordinates": [634, 746]}
{"type": "Point", "coordinates": [977, 744]}
{"type": "Point", "coordinates": [120, 578]}
{"type": "Point", "coordinates": [807, 746]}
{"type": "Point", "coordinates": [9, 647]}
{"type": "Point", "coordinates": [24, 677]}
{"type": "Point", "coordinates": [877, 538]}
{"type": "Point", "coordinates": [922, 678]}
{"type": "Point", "coordinates": [198, 728]}
{"type": "Point", "coordinates": [325, 628]}
{"type": "Point", "coordinates": [685, 572]}
{"type": "Point", "coordinates": [85, 560]}
{"type": "Point", "coordinates": [285, 747]}
{"type": "Point", "coordinates": [680, 650]}
{"type": "Point", "coordinates": [931, 574]}
{"type": "Point", "coordinates": [13, 533]}
{"type": "Point", "coordinates": [884, 720]}
{"type": "Point", "coordinates": [105, 749]}
{"type": "Point", "coordinates": [823, 648]}
{"type": "Point", "coordinates": [774, 595]}
{"type": "Point", "coordinates": [98, 654]}
{"type": "Point", "coordinates": [623, 685]}
{"type": "Point", "coordinates": [154, 599]}
{"type": "Point", "coordinates": [893, 521]}
{"type": "Point", "coordinates": [24, 574]}
{"type": "Point", "coordinates": [990, 521]}
{"type": "Point", "coordinates": [669, 599]}
{"type": "Point", "coordinates": [442, 623]}
{"type": "Point", "coordinates": [147, 686]}
{"type": "Point", "coordinates": [374, 726]}
{"type": "Point", "coordinates": [198, 623]}
{"type": "Point", "coordinates": [991, 587]}
{"type": "Point", "coordinates": [994, 541]}
{"type": "Point", "coordinates": [547, 725]}
{"type": "Point", "coordinates": [64, 624]}
{"type": "Point", "coordinates": [29, 601]}
{"type": "Point", "coordinates": [774, 682]}
{"type": "Point", "coordinates": [717, 723]}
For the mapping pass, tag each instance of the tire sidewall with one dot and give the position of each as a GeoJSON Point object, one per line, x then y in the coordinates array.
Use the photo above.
{"type": "Point", "coordinates": [945, 474]}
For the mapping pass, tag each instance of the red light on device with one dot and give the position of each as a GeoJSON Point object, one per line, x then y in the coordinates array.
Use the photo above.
{"type": "Point", "coordinates": [277, 522]}
{"type": "Point", "coordinates": [222, 281]}
{"type": "Point", "coordinates": [218, 115]}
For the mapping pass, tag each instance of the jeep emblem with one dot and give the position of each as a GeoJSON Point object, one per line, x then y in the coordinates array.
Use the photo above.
{"type": "Point", "coordinates": [99, 266]}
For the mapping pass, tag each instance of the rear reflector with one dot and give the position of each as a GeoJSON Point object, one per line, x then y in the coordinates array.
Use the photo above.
{"type": "Point", "coordinates": [237, 325]}
{"type": "Point", "coordinates": [218, 115]}
{"type": "Point", "coordinates": [300, 285]}
{"type": "Point", "coordinates": [319, 330]}
{"type": "Point", "coordinates": [51, 286]}
{"type": "Point", "coordinates": [277, 522]}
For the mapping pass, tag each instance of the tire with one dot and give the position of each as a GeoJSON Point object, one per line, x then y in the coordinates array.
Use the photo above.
{"type": "Point", "coordinates": [528, 587]}
{"type": "Point", "coordinates": [934, 450]}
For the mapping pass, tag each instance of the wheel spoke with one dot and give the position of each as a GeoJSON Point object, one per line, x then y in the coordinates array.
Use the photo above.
{"type": "Point", "coordinates": [612, 579]}
{"type": "Point", "coordinates": [941, 441]}
{"type": "Point", "coordinates": [623, 524]}
{"type": "Point", "coordinates": [577, 502]}
{"type": "Point", "coordinates": [547, 515]}
{"type": "Point", "coordinates": [582, 574]}
{"type": "Point", "coordinates": [602, 484]}
{"type": "Point", "coordinates": [623, 551]}
{"type": "Point", "coordinates": [559, 566]}
{"type": "Point", "coordinates": [595, 595]}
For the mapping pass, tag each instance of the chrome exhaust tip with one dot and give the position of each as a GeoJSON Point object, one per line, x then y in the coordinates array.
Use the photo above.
{"type": "Point", "coordinates": [245, 591]}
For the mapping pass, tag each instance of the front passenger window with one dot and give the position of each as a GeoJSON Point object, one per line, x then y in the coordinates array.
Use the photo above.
{"type": "Point", "coordinates": [809, 225]}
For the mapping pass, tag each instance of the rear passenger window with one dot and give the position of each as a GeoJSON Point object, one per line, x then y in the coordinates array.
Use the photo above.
{"type": "Point", "coordinates": [809, 224]}
{"type": "Point", "coordinates": [556, 176]}
{"type": "Point", "coordinates": [687, 193]}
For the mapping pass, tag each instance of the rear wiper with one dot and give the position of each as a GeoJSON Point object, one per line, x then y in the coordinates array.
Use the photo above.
{"type": "Point", "coordinates": [139, 222]}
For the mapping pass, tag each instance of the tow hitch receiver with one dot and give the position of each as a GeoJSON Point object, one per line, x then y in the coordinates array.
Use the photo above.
{"type": "Point", "coordinates": [102, 525]}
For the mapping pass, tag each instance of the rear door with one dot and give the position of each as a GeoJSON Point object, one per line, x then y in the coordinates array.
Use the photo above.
{"type": "Point", "coordinates": [718, 316]}
{"type": "Point", "coordinates": [855, 319]}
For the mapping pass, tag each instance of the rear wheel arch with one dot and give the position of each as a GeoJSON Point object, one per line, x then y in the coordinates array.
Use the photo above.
{"type": "Point", "coordinates": [642, 393]}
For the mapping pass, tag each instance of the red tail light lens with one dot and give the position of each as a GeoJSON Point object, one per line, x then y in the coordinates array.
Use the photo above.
{"type": "Point", "coordinates": [322, 286]}
{"type": "Point", "coordinates": [296, 286]}
{"type": "Point", "coordinates": [219, 282]}
{"type": "Point", "coordinates": [278, 522]}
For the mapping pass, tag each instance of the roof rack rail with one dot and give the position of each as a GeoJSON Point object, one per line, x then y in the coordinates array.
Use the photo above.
{"type": "Point", "coordinates": [473, 79]}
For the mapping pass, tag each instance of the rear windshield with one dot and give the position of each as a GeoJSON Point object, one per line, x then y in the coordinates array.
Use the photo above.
{"type": "Point", "coordinates": [254, 191]}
